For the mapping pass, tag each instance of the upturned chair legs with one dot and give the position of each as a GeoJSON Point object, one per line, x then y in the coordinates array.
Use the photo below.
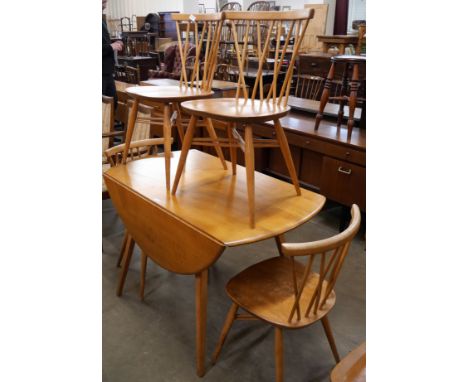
{"type": "Point", "coordinates": [248, 146]}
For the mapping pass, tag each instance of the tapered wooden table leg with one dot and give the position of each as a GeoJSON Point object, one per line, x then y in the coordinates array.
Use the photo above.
{"type": "Point", "coordinates": [184, 152]}
{"type": "Point", "coordinates": [130, 127]}
{"type": "Point", "coordinates": [167, 143]}
{"type": "Point", "coordinates": [201, 298]}
{"type": "Point", "coordinates": [180, 128]}
{"type": "Point", "coordinates": [143, 263]}
{"type": "Point", "coordinates": [284, 146]}
{"type": "Point", "coordinates": [122, 249]}
{"type": "Point", "coordinates": [250, 170]}
{"type": "Point", "coordinates": [279, 354]}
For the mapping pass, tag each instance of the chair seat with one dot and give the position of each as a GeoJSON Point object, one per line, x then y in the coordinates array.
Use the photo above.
{"type": "Point", "coordinates": [230, 109]}
{"type": "Point", "coordinates": [167, 93]}
{"type": "Point", "coordinates": [349, 58]}
{"type": "Point", "coordinates": [266, 290]}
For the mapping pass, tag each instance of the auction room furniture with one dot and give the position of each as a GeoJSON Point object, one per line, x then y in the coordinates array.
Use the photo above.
{"type": "Point", "coordinates": [139, 149]}
{"type": "Point", "coordinates": [187, 233]}
{"type": "Point", "coordinates": [259, 6]}
{"type": "Point", "coordinates": [352, 98]}
{"type": "Point", "coordinates": [145, 63]}
{"type": "Point", "coordinates": [340, 41]}
{"type": "Point", "coordinates": [172, 63]}
{"type": "Point", "coordinates": [351, 368]}
{"type": "Point", "coordinates": [231, 6]}
{"type": "Point", "coordinates": [244, 111]}
{"type": "Point", "coordinates": [196, 87]}
{"type": "Point", "coordinates": [288, 294]}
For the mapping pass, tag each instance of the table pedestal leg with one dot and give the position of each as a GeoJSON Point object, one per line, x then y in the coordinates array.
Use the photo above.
{"type": "Point", "coordinates": [201, 297]}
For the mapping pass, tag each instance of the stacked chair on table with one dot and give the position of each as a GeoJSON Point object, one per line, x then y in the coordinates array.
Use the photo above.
{"type": "Point", "coordinates": [245, 110]}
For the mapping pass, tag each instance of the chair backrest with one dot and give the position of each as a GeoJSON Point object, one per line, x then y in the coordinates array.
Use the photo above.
{"type": "Point", "coordinates": [206, 30]}
{"type": "Point", "coordinates": [309, 86]}
{"type": "Point", "coordinates": [231, 6]}
{"type": "Point", "coordinates": [107, 119]}
{"type": "Point", "coordinates": [138, 150]}
{"type": "Point", "coordinates": [332, 253]}
{"type": "Point", "coordinates": [119, 73]}
{"type": "Point", "coordinates": [132, 74]}
{"type": "Point", "coordinates": [259, 6]}
{"type": "Point", "coordinates": [287, 27]}
{"type": "Point", "coordinates": [142, 123]}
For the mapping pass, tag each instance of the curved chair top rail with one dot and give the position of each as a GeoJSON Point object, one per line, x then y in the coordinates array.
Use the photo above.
{"type": "Point", "coordinates": [231, 6]}
{"type": "Point", "coordinates": [299, 14]}
{"type": "Point", "coordinates": [198, 16]}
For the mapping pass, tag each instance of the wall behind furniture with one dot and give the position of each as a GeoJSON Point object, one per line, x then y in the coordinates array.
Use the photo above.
{"type": "Point", "coordinates": [126, 8]}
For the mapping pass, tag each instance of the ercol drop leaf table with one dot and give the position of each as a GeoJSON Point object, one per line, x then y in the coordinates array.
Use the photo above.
{"type": "Point", "coordinates": [187, 232]}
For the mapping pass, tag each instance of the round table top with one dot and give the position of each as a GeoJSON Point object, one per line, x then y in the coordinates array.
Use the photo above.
{"type": "Point", "coordinates": [167, 93]}
{"type": "Point", "coordinates": [230, 109]}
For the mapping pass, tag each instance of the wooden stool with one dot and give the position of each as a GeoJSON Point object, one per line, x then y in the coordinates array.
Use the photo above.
{"type": "Point", "coordinates": [205, 29]}
{"type": "Point", "coordinates": [352, 99]}
{"type": "Point", "coordinates": [244, 111]}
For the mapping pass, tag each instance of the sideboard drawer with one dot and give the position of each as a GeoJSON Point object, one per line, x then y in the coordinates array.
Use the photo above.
{"type": "Point", "coordinates": [343, 182]}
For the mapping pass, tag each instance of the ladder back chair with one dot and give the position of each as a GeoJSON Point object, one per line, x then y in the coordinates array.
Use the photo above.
{"type": "Point", "coordinates": [244, 110]}
{"type": "Point", "coordinates": [206, 31]}
{"type": "Point", "coordinates": [305, 295]}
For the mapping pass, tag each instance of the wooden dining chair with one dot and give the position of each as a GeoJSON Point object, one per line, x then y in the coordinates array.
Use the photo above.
{"type": "Point", "coordinates": [257, 6]}
{"type": "Point", "coordinates": [231, 6]}
{"type": "Point", "coordinates": [138, 149]}
{"type": "Point", "coordinates": [288, 294]}
{"type": "Point", "coordinates": [245, 110]}
{"type": "Point", "coordinates": [206, 31]}
{"type": "Point", "coordinates": [351, 368]}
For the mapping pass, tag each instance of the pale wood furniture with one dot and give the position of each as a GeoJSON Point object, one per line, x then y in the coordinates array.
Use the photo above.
{"type": "Point", "coordinates": [244, 111]}
{"type": "Point", "coordinates": [139, 149]}
{"type": "Point", "coordinates": [198, 86]}
{"type": "Point", "coordinates": [352, 98]}
{"type": "Point", "coordinates": [289, 294]}
{"type": "Point", "coordinates": [340, 41]}
{"type": "Point", "coordinates": [351, 368]}
{"type": "Point", "coordinates": [186, 233]}
{"type": "Point", "coordinates": [316, 27]}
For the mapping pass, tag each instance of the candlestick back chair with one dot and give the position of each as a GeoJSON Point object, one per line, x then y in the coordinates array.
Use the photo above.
{"type": "Point", "coordinates": [205, 30]}
{"type": "Point", "coordinates": [289, 295]}
{"type": "Point", "coordinates": [244, 110]}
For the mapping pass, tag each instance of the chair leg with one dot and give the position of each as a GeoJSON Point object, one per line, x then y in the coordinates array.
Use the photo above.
{"type": "Point", "coordinates": [343, 96]}
{"type": "Point", "coordinates": [130, 128]}
{"type": "Point", "coordinates": [284, 146]}
{"type": "Point", "coordinates": [279, 354]}
{"type": "Point", "coordinates": [227, 326]}
{"type": "Point", "coordinates": [214, 138]}
{"type": "Point", "coordinates": [167, 143]}
{"type": "Point", "coordinates": [122, 249]}
{"type": "Point", "coordinates": [126, 262]}
{"type": "Point", "coordinates": [144, 262]}
{"type": "Point", "coordinates": [250, 170]}
{"type": "Point", "coordinates": [232, 149]}
{"type": "Point", "coordinates": [331, 340]}
{"type": "Point", "coordinates": [353, 98]}
{"type": "Point", "coordinates": [184, 152]}
{"type": "Point", "coordinates": [180, 128]}
{"type": "Point", "coordinates": [325, 95]}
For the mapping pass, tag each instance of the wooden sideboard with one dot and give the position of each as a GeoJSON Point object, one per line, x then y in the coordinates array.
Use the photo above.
{"type": "Point", "coordinates": [326, 162]}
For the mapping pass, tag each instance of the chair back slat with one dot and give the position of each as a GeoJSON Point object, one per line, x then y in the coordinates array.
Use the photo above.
{"type": "Point", "coordinates": [205, 30]}
{"type": "Point", "coordinates": [254, 35]}
{"type": "Point", "coordinates": [332, 252]}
